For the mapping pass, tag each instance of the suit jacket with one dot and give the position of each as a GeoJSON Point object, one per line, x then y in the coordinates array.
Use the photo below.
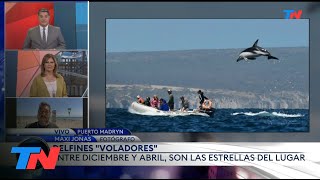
{"type": "Point", "coordinates": [55, 39]}
{"type": "Point", "coordinates": [39, 88]}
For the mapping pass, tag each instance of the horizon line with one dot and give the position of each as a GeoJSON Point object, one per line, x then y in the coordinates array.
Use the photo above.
{"type": "Point", "coordinates": [197, 49]}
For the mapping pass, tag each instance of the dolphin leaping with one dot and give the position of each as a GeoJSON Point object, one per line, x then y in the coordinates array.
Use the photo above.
{"type": "Point", "coordinates": [255, 51]}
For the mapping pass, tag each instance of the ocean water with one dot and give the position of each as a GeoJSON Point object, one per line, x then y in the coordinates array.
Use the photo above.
{"type": "Point", "coordinates": [224, 120]}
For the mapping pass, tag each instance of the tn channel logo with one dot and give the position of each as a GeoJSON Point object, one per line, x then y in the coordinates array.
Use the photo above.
{"type": "Point", "coordinates": [291, 14]}
{"type": "Point", "coordinates": [34, 153]}
{"type": "Point", "coordinates": [29, 157]}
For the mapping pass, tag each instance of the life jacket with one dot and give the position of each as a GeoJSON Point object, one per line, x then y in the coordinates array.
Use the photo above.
{"type": "Point", "coordinates": [207, 104]}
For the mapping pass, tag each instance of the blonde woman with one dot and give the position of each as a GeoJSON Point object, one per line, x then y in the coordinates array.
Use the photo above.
{"type": "Point", "coordinates": [48, 83]}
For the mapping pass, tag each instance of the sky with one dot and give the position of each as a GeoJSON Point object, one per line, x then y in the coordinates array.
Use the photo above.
{"type": "Point", "coordinates": [140, 35]}
{"type": "Point", "coordinates": [29, 106]}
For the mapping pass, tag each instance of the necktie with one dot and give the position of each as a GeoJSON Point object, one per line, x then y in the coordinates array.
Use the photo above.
{"type": "Point", "coordinates": [44, 35]}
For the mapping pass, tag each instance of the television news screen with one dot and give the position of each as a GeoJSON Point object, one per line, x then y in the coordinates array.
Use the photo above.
{"type": "Point", "coordinates": [169, 90]}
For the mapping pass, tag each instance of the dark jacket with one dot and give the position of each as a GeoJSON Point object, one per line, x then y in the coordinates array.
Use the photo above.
{"type": "Point", "coordinates": [37, 125]}
{"type": "Point", "coordinates": [202, 97]}
{"type": "Point", "coordinates": [171, 101]}
{"type": "Point", "coordinates": [147, 102]}
{"type": "Point", "coordinates": [185, 104]}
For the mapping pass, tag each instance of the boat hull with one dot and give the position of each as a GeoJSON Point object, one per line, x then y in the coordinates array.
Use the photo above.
{"type": "Point", "coordinates": [210, 112]}
{"type": "Point", "coordinates": [142, 109]}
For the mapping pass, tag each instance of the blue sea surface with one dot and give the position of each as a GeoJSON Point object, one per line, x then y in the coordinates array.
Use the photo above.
{"type": "Point", "coordinates": [224, 120]}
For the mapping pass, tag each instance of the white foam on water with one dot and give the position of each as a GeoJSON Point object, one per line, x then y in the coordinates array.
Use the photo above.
{"type": "Point", "coordinates": [287, 115]}
{"type": "Point", "coordinates": [251, 113]}
{"type": "Point", "coordinates": [265, 113]}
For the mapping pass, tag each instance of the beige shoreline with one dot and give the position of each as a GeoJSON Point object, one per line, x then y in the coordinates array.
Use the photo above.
{"type": "Point", "coordinates": [61, 122]}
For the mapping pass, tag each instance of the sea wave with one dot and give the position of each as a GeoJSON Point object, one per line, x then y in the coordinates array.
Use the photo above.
{"type": "Point", "coordinates": [265, 113]}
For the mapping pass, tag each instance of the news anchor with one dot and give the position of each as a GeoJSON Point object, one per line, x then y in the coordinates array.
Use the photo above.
{"type": "Point", "coordinates": [44, 114]}
{"type": "Point", "coordinates": [44, 36]}
{"type": "Point", "coordinates": [48, 83]}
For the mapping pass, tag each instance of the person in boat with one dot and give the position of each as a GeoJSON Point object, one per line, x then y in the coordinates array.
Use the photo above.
{"type": "Point", "coordinates": [155, 102]}
{"type": "Point", "coordinates": [147, 101]}
{"type": "Point", "coordinates": [202, 98]}
{"type": "Point", "coordinates": [207, 105]}
{"type": "Point", "coordinates": [163, 105]}
{"type": "Point", "coordinates": [171, 100]}
{"type": "Point", "coordinates": [140, 99]}
{"type": "Point", "coordinates": [184, 104]}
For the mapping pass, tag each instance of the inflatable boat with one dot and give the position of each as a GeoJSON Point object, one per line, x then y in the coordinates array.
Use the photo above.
{"type": "Point", "coordinates": [137, 108]}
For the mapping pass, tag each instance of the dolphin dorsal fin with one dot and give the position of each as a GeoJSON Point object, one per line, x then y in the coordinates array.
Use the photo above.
{"type": "Point", "coordinates": [255, 43]}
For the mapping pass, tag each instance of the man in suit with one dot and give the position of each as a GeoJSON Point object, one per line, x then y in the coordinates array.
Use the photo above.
{"type": "Point", "coordinates": [44, 36]}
